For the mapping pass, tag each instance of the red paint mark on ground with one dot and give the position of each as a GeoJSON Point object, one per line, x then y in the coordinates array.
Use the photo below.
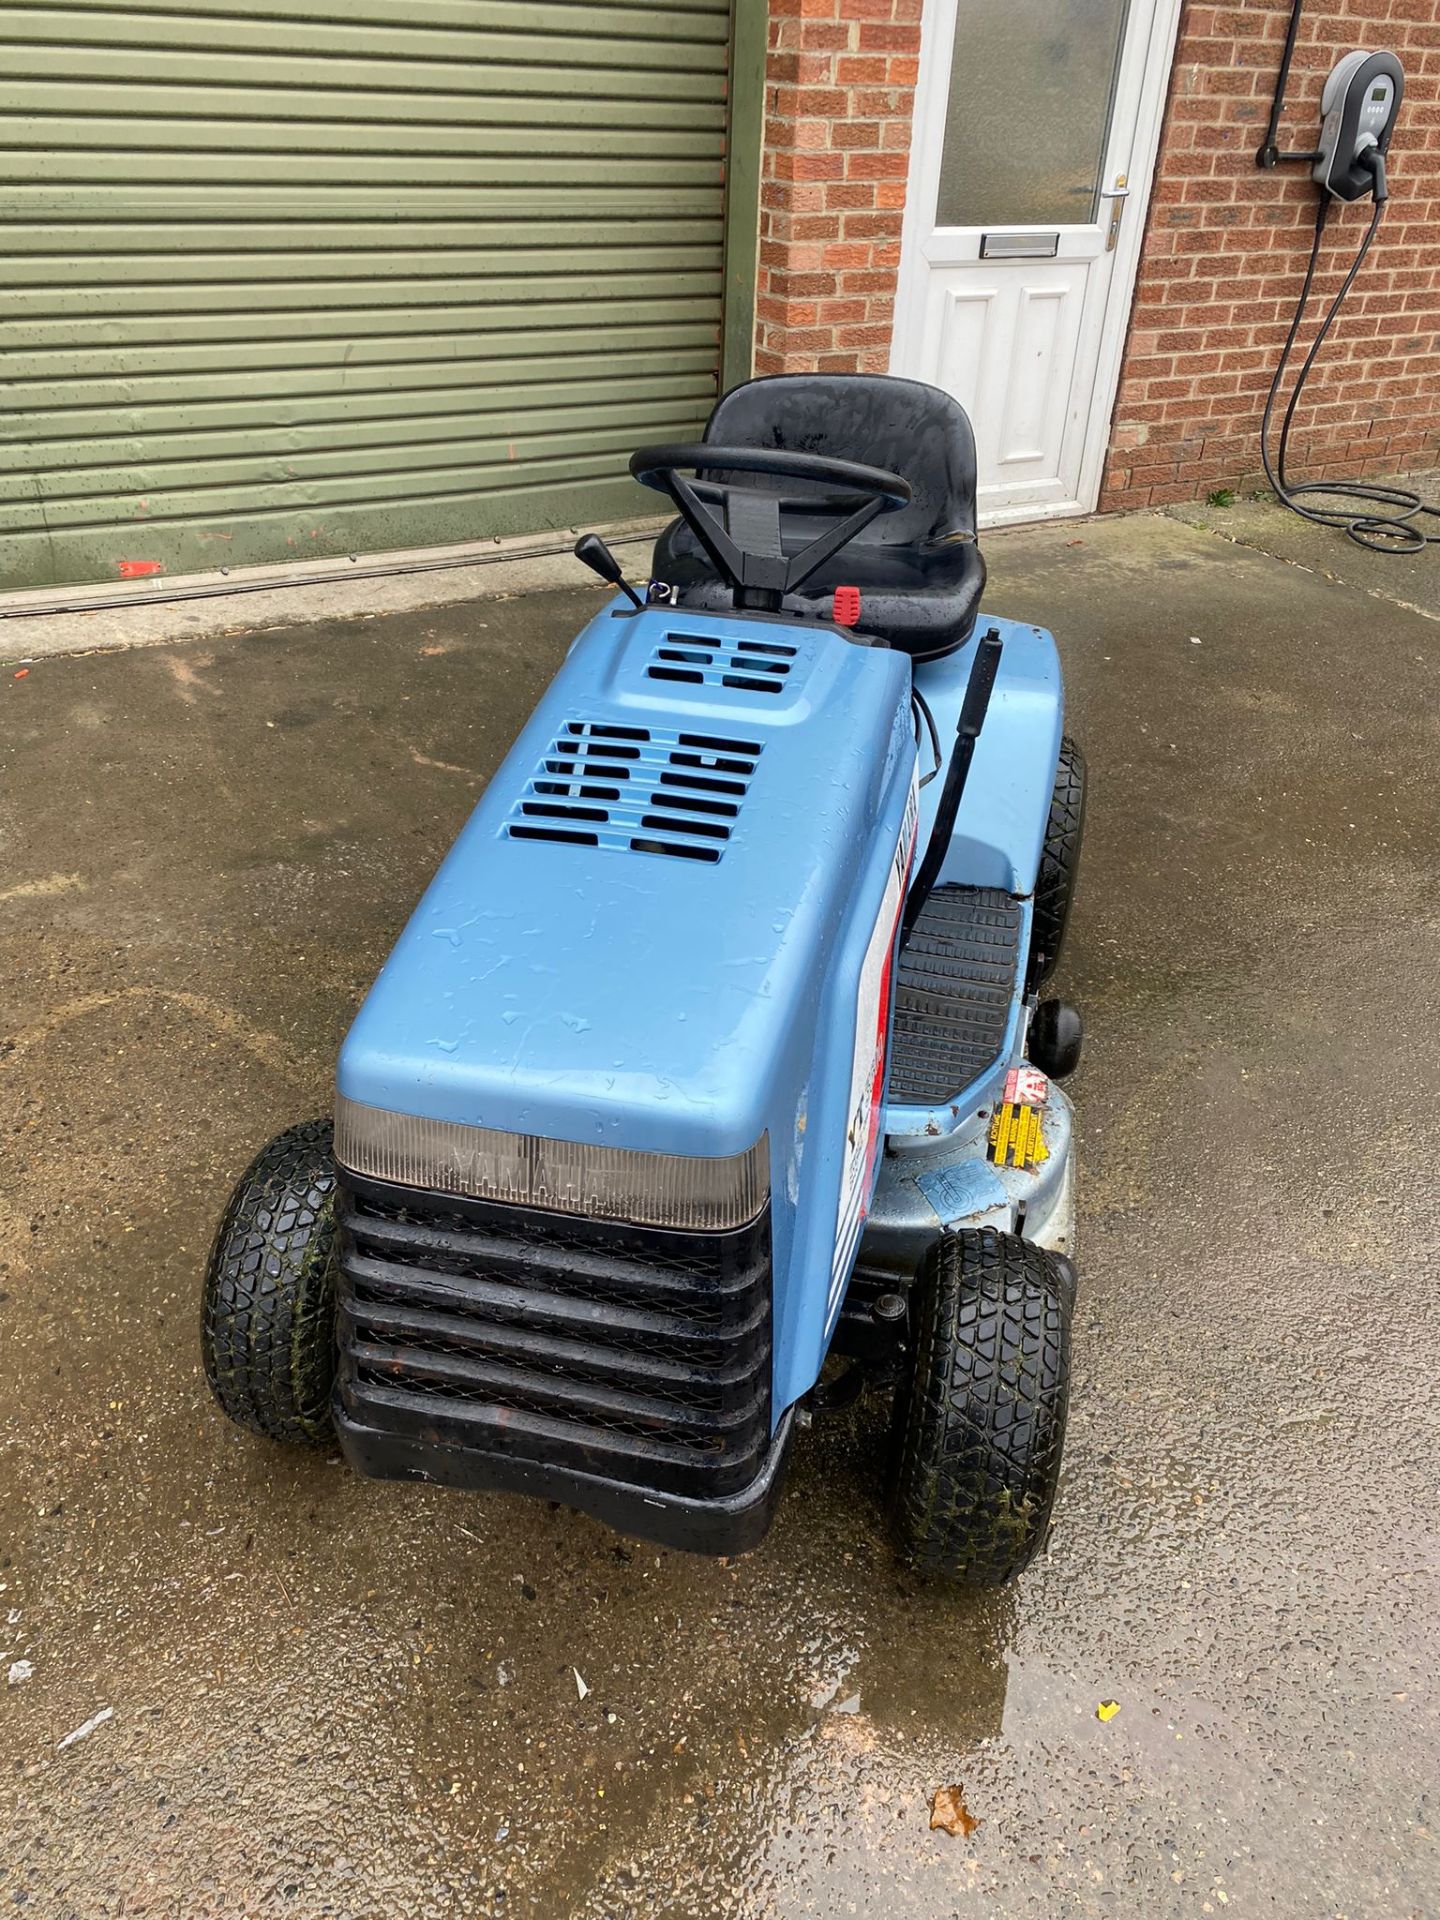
{"type": "Point", "coordinates": [138, 569]}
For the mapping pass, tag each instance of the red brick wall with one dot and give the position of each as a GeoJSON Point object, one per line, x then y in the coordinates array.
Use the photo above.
{"type": "Point", "coordinates": [839, 96]}
{"type": "Point", "coordinates": [1225, 251]}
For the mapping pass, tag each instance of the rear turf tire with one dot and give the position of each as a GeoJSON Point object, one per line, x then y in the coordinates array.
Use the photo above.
{"type": "Point", "coordinates": [1059, 865]}
{"type": "Point", "coordinates": [267, 1324]}
{"type": "Point", "coordinates": [980, 1408]}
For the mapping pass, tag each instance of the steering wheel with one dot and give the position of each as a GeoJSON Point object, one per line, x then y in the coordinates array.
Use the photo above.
{"type": "Point", "coordinates": [743, 538]}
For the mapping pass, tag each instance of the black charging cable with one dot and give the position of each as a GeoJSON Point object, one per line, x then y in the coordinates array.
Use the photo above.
{"type": "Point", "coordinates": [1393, 532]}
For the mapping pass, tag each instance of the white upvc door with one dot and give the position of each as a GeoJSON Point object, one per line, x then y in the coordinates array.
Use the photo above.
{"type": "Point", "coordinates": [1036, 124]}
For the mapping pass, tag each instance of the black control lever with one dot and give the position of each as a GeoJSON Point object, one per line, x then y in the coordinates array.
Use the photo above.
{"type": "Point", "coordinates": [973, 709]}
{"type": "Point", "coordinates": [593, 552]}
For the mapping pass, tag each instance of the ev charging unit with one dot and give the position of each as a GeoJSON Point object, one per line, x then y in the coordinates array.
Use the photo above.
{"type": "Point", "coordinates": [1358, 105]}
{"type": "Point", "coordinates": [1361, 99]}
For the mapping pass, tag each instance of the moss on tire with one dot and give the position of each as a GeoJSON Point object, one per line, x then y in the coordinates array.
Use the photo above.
{"type": "Point", "coordinates": [980, 1408]}
{"type": "Point", "coordinates": [267, 1323]}
{"type": "Point", "coordinates": [1059, 865]}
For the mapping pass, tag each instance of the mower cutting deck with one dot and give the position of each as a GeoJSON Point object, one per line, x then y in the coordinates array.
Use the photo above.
{"type": "Point", "coordinates": [714, 1050]}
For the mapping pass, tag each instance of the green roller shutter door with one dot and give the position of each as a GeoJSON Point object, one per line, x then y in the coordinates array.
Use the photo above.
{"type": "Point", "coordinates": [280, 280]}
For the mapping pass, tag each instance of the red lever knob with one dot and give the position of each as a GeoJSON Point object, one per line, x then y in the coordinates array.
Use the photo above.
{"type": "Point", "coordinates": [847, 607]}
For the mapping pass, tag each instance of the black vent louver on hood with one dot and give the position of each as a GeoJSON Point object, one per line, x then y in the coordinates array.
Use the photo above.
{"type": "Point", "coordinates": [743, 666]}
{"type": "Point", "coordinates": [636, 789]}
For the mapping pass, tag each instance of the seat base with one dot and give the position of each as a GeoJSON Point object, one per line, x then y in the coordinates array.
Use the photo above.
{"type": "Point", "coordinates": [922, 602]}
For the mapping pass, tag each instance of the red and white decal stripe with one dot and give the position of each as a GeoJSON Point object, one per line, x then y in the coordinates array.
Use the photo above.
{"type": "Point", "coordinates": [867, 1076]}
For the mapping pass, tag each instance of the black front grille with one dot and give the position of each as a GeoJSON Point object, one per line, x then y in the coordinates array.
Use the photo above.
{"type": "Point", "coordinates": [636, 1353]}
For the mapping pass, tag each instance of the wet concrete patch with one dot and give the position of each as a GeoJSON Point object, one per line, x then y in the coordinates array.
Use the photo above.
{"type": "Point", "coordinates": [1258, 521]}
{"type": "Point", "coordinates": [336, 1698]}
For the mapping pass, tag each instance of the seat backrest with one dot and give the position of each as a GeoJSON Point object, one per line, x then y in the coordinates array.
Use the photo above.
{"type": "Point", "coordinates": [902, 425]}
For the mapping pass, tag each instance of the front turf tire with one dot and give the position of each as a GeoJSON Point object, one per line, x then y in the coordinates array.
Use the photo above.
{"type": "Point", "coordinates": [980, 1408]}
{"type": "Point", "coordinates": [267, 1323]}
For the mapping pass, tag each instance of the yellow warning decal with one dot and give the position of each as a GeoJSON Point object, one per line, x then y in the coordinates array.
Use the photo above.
{"type": "Point", "coordinates": [1016, 1138]}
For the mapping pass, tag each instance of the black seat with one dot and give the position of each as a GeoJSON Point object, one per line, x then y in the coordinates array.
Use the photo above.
{"type": "Point", "coordinates": [919, 571]}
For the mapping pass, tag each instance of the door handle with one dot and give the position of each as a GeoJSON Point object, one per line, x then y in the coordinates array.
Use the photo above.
{"type": "Point", "coordinates": [1117, 196]}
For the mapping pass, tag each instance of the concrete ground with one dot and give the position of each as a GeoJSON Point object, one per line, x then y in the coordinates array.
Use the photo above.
{"type": "Point", "coordinates": [1257, 521]}
{"type": "Point", "coordinates": [333, 1698]}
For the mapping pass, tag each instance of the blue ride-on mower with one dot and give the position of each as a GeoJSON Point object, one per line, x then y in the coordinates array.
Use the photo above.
{"type": "Point", "coordinates": [711, 1083]}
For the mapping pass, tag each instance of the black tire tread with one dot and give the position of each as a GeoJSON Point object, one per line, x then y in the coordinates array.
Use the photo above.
{"type": "Point", "coordinates": [980, 1410]}
{"type": "Point", "coordinates": [267, 1327]}
{"type": "Point", "coordinates": [1059, 864]}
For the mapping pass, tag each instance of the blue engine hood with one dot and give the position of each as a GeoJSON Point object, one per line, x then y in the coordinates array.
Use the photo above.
{"type": "Point", "coordinates": [629, 940]}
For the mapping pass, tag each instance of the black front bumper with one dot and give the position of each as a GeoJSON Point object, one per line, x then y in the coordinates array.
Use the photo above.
{"type": "Point", "coordinates": [725, 1523]}
{"type": "Point", "coordinates": [621, 1370]}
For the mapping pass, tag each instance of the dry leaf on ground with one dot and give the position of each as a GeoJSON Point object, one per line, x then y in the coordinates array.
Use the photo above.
{"type": "Point", "coordinates": [949, 1812]}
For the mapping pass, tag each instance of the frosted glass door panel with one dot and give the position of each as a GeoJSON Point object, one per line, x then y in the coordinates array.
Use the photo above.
{"type": "Point", "coordinates": [1032, 86]}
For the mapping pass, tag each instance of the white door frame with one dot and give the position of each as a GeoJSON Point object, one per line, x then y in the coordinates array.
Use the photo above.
{"type": "Point", "coordinates": [937, 36]}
